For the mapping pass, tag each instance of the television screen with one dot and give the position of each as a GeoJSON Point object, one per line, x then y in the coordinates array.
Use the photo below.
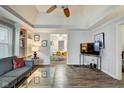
{"type": "Point", "coordinates": [90, 48]}
{"type": "Point", "coordinates": [97, 46]}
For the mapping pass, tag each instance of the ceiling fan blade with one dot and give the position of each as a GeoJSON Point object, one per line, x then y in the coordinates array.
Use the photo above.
{"type": "Point", "coordinates": [66, 12]}
{"type": "Point", "coordinates": [51, 9]}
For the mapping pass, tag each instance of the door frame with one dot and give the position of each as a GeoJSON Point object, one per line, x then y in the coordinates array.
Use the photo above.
{"type": "Point", "coordinates": [67, 44]}
{"type": "Point", "coordinates": [118, 51]}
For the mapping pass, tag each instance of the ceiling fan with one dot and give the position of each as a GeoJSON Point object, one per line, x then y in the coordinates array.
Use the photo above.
{"type": "Point", "coordinates": [64, 7]}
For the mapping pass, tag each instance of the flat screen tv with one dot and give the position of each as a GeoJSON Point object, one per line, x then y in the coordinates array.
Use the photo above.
{"type": "Point", "coordinates": [90, 48]}
{"type": "Point", "coordinates": [96, 46]}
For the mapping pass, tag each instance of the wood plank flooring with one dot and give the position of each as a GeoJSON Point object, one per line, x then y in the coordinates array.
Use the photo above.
{"type": "Point", "coordinates": [78, 77]}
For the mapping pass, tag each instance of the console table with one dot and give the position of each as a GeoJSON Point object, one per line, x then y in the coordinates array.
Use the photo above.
{"type": "Point", "coordinates": [35, 61]}
{"type": "Point", "coordinates": [99, 61]}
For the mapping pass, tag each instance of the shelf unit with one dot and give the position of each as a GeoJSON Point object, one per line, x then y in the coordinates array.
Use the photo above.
{"type": "Point", "coordinates": [29, 43]}
{"type": "Point", "coordinates": [22, 40]}
{"type": "Point", "coordinates": [25, 43]}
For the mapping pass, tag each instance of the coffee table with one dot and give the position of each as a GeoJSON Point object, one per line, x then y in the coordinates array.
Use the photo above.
{"type": "Point", "coordinates": [41, 78]}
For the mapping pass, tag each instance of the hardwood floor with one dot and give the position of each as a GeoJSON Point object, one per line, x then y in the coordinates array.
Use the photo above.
{"type": "Point", "coordinates": [77, 77]}
{"type": "Point", "coordinates": [65, 76]}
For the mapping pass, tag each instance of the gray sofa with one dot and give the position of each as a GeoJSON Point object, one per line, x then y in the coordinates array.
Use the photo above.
{"type": "Point", "coordinates": [8, 76]}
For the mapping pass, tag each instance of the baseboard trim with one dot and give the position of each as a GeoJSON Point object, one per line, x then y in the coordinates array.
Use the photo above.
{"type": "Point", "coordinates": [113, 76]}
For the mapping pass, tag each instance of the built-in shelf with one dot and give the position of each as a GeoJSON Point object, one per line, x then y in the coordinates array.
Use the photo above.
{"type": "Point", "coordinates": [22, 47]}
{"type": "Point", "coordinates": [22, 42]}
{"type": "Point", "coordinates": [22, 37]}
{"type": "Point", "coordinates": [26, 42]}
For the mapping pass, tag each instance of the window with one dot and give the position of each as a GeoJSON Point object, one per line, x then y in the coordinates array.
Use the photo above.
{"type": "Point", "coordinates": [5, 41]}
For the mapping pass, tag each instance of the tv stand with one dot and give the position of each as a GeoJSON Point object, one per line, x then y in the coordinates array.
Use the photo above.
{"type": "Point", "coordinates": [99, 61]}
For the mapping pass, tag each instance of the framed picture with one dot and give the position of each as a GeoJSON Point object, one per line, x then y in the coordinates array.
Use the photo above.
{"type": "Point", "coordinates": [101, 38]}
{"type": "Point", "coordinates": [36, 37]}
{"type": "Point", "coordinates": [61, 45]}
{"type": "Point", "coordinates": [44, 43]}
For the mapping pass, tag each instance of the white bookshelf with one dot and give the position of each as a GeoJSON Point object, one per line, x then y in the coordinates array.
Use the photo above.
{"type": "Point", "coordinates": [25, 43]}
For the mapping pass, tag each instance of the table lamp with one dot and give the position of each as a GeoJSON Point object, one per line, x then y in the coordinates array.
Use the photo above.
{"type": "Point", "coordinates": [35, 49]}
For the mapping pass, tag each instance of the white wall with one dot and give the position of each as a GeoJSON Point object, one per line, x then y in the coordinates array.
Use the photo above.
{"type": "Point", "coordinates": [108, 55]}
{"type": "Point", "coordinates": [122, 36]}
{"type": "Point", "coordinates": [111, 63]}
{"type": "Point", "coordinates": [74, 40]}
{"type": "Point", "coordinates": [44, 52]}
{"type": "Point", "coordinates": [73, 46]}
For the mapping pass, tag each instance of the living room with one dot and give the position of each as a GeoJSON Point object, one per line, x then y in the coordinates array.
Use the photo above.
{"type": "Point", "coordinates": [26, 31]}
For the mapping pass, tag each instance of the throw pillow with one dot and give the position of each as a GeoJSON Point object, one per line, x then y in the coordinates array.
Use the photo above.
{"type": "Point", "coordinates": [18, 62]}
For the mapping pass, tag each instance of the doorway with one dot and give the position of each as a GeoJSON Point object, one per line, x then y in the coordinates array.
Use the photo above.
{"type": "Point", "coordinates": [58, 48]}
